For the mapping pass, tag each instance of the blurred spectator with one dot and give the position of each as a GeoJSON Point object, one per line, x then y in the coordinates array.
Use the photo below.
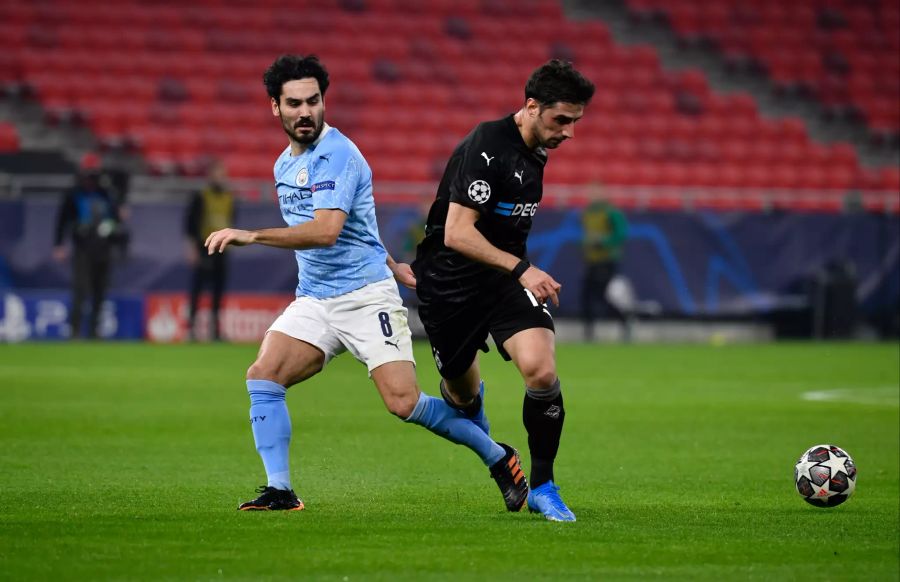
{"type": "Point", "coordinates": [834, 308]}
{"type": "Point", "coordinates": [457, 27]}
{"type": "Point", "coordinates": [210, 210]}
{"type": "Point", "coordinates": [117, 171]}
{"type": "Point", "coordinates": [605, 230]}
{"type": "Point", "coordinates": [415, 232]}
{"type": "Point", "coordinates": [412, 236]}
{"type": "Point", "coordinates": [93, 218]}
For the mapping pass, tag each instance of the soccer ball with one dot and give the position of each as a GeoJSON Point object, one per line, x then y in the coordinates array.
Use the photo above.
{"type": "Point", "coordinates": [825, 476]}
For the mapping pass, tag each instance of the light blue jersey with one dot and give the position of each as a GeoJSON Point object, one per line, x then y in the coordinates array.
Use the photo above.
{"type": "Point", "coordinates": [333, 174]}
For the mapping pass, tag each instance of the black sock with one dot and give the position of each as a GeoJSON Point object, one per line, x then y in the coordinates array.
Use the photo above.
{"type": "Point", "coordinates": [543, 415]}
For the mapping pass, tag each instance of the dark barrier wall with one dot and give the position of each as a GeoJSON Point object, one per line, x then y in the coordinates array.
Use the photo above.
{"type": "Point", "coordinates": [689, 264]}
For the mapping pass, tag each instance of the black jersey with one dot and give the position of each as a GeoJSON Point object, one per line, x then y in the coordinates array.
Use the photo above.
{"type": "Point", "coordinates": [494, 172]}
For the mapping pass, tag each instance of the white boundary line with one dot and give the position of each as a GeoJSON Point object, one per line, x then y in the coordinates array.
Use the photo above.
{"type": "Point", "coordinates": [879, 395]}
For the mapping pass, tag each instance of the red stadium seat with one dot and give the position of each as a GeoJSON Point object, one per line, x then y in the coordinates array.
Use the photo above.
{"type": "Point", "coordinates": [9, 138]}
{"type": "Point", "coordinates": [890, 180]}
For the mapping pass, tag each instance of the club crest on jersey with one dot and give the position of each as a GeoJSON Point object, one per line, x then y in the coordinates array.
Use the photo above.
{"type": "Point", "coordinates": [303, 177]}
{"type": "Point", "coordinates": [479, 191]}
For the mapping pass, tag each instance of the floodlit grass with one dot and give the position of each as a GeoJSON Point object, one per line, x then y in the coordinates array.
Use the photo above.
{"type": "Point", "coordinates": [127, 461]}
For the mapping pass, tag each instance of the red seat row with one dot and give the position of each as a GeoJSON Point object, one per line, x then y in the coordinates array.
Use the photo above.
{"type": "Point", "coordinates": [183, 85]}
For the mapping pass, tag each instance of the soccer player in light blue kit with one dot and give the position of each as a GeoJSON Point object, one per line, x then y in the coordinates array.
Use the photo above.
{"type": "Point", "coordinates": [347, 299]}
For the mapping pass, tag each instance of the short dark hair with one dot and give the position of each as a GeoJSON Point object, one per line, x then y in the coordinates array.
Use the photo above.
{"type": "Point", "coordinates": [558, 81]}
{"type": "Point", "coordinates": [292, 67]}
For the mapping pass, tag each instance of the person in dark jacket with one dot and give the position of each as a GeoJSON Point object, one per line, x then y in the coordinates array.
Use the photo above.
{"type": "Point", "coordinates": [91, 217]}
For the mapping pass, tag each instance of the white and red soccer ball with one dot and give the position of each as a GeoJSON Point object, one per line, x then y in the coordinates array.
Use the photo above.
{"type": "Point", "coordinates": [825, 476]}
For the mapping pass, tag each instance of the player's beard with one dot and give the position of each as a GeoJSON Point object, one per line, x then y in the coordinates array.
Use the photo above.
{"type": "Point", "coordinates": [552, 143]}
{"type": "Point", "coordinates": [291, 128]}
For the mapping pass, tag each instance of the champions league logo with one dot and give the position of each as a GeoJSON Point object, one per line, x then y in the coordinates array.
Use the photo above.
{"type": "Point", "coordinates": [479, 191]}
{"type": "Point", "coordinates": [303, 177]}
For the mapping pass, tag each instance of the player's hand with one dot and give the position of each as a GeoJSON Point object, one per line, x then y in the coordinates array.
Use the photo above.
{"type": "Point", "coordinates": [217, 241]}
{"type": "Point", "coordinates": [191, 254]}
{"type": "Point", "coordinates": [404, 275]}
{"type": "Point", "coordinates": [541, 285]}
{"type": "Point", "coordinates": [60, 253]}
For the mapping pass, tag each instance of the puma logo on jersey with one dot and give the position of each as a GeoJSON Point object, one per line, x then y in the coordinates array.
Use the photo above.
{"type": "Point", "coordinates": [519, 175]}
{"type": "Point", "coordinates": [487, 159]}
{"type": "Point", "coordinates": [395, 344]}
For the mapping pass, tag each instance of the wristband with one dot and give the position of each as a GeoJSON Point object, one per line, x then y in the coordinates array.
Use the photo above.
{"type": "Point", "coordinates": [520, 269]}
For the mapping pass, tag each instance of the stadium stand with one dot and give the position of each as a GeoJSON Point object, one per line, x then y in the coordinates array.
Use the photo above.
{"type": "Point", "coordinates": [845, 53]}
{"type": "Point", "coordinates": [182, 84]}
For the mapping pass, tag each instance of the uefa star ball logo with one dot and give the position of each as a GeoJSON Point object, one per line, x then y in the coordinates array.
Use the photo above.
{"type": "Point", "coordinates": [479, 191]}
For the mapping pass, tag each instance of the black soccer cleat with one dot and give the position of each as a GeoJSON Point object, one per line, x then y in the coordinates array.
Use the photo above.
{"type": "Point", "coordinates": [510, 478]}
{"type": "Point", "coordinates": [272, 499]}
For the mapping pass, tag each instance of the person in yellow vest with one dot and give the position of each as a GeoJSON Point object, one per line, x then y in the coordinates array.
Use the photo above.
{"type": "Point", "coordinates": [211, 209]}
{"type": "Point", "coordinates": [605, 231]}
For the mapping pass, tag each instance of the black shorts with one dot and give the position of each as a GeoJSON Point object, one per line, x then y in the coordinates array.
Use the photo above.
{"type": "Point", "coordinates": [458, 330]}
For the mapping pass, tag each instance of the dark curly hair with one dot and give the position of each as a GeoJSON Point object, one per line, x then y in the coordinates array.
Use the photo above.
{"type": "Point", "coordinates": [292, 67]}
{"type": "Point", "coordinates": [558, 81]}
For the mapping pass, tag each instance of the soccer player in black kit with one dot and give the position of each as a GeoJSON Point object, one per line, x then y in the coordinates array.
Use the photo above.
{"type": "Point", "coordinates": [473, 275]}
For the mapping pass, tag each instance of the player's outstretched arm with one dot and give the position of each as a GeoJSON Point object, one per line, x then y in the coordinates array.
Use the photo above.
{"type": "Point", "coordinates": [321, 231]}
{"type": "Point", "coordinates": [461, 235]}
{"type": "Point", "coordinates": [218, 240]}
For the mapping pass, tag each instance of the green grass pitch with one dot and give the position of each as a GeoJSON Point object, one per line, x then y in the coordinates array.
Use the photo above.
{"type": "Point", "coordinates": [127, 461]}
